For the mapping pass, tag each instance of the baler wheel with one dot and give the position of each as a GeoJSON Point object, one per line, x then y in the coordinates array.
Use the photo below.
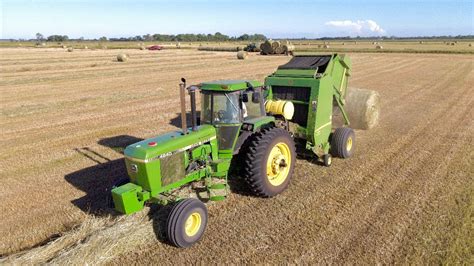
{"type": "Point", "coordinates": [342, 142]}
{"type": "Point", "coordinates": [269, 161]}
{"type": "Point", "coordinates": [187, 222]}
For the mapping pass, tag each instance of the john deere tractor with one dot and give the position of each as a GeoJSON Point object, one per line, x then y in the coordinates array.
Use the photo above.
{"type": "Point", "coordinates": [260, 123]}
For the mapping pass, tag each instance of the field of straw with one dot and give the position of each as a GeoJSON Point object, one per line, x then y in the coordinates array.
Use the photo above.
{"type": "Point", "coordinates": [405, 197]}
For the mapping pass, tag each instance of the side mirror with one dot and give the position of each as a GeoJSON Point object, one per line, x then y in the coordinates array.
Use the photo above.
{"type": "Point", "coordinates": [256, 97]}
{"type": "Point", "coordinates": [245, 97]}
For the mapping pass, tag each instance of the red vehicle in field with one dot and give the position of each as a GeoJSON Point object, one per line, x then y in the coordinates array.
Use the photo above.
{"type": "Point", "coordinates": [155, 47]}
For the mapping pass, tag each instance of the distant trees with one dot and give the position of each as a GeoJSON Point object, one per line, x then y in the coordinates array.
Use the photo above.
{"type": "Point", "coordinates": [103, 39]}
{"type": "Point", "coordinates": [39, 37]}
{"type": "Point", "coordinates": [57, 38]}
{"type": "Point", "coordinates": [189, 37]}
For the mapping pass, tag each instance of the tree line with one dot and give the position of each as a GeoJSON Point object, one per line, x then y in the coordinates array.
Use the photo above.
{"type": "Point", "coordinates": [188, 37]}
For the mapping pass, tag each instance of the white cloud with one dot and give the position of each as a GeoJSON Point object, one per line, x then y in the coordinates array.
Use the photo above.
{"type": "Point", "coordinates": [359, 27]}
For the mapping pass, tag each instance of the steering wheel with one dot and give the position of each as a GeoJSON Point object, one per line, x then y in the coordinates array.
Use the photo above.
{"type": "Point", "coordinates": [221, 114]}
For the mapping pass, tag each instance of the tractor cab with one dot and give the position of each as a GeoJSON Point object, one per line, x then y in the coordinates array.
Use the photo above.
{"type": "Point", "coordinates": [231, 101]}
{"type": "Point", "coordinates": [230, 105]}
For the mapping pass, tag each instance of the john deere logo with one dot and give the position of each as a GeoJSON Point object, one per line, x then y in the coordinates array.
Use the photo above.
{"type": "Point", "coordinates": [134, 168]}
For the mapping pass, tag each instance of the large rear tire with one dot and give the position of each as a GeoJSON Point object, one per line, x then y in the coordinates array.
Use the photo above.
{"type": "Point", "coordinates": [187, 222]}
{"type": "Point", "coordinates": [269, 161]}
{"type": "Point", "coordinates": [342, 142]}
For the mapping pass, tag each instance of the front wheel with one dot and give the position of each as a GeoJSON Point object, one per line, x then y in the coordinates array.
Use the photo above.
{"type": "Point", "coordinates": [269, 161]}
{"type": "Point", "coordinates": [187, 222]}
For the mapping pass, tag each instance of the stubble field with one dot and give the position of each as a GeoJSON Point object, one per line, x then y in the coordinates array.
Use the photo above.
{"type": "Point", "coordinates": [406, 195]}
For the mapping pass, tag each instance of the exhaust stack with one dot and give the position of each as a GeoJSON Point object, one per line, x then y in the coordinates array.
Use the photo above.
{"type": "Point", "coordinates": [192, 94]}
{"type": "Point", "coordinates": [182, 88]}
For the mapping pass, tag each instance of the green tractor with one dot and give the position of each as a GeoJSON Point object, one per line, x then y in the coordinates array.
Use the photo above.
{"type": "Point", "coordinates": [260, 123]}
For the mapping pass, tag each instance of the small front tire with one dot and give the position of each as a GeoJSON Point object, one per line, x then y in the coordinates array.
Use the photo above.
{"type": "Point", "coordinates": [327, 158]}
{"type": "Point", "coordinates": [187, 222]}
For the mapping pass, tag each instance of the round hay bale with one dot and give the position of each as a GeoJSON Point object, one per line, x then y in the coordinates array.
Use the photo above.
{"type": "Point", "coordinates": [287, 48]}
{"type": "Point", "coordinates": [238, 48]}
{"type": "Point", "coordinates": [278, 50]}
{"type": "Point", "coordinates": [70, 49]}
{"type": "Point", "coordinates": [242, 55]}
{"type": "Point", "coordinates": [326, 46]}
{"type": "Point", "coordinates": [422, 42]}
{"type": "Point", "coordinates": [362, 107]}
{"type": "Point", "coordinates": [380, 47]}
{"type": "Point", "coordinates": [275, 45]}
{"type": "Point", "coordinates": [343, 44]}
{"type": "Point", "coordinates": [142, 47]}
{"type": "Point", "coordinates": [266, 47]}
{"type": "Point", "coordinates": [470, 45]}
{"type": "Point", "coordinates": [122, 57]}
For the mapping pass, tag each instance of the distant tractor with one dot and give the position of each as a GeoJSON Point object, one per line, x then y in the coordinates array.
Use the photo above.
{"type": "Point", "coordinates": [261, 123]}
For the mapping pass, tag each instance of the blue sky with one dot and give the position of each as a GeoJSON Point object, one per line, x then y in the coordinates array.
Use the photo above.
{"type": "Point", "coordinates": [95, 18]}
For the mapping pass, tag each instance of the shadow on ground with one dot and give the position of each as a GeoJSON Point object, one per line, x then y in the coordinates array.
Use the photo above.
{"type": "Point", "coordinates": [176, 121]}
{"type": "Point", "coordinates": [96, 181]}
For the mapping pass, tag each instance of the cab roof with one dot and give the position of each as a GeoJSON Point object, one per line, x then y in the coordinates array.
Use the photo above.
{"type": "Point", "coordinates": [228, 85]}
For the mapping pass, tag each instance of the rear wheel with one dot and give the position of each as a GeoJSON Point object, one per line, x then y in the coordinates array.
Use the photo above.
{"type": "Point", "coordinates": [187, 222]}
{"type": "Point", "coordinates": [269, 160]}
{"type": "Point", "coordinates": [342, 142]}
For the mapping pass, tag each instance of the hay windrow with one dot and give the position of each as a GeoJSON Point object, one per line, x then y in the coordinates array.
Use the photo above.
{"type": "Point", "coordinates": [95, 240]}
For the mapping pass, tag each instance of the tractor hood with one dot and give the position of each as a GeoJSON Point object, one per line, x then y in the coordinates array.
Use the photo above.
{"type": "Point", "coordinates": [164, 145]}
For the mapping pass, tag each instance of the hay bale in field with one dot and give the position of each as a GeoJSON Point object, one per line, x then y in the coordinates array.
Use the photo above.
{"type": "Point", "coordinates": [122, 57]}
{"type": "Point", "coordinates": [379, 47]}
{"type": "Point", "coordinates": [239, 48]}
{"type": "Point", "coordinates": [70, 49]}
{"type": "Point", "coordinates": [287, 48]}
{"type": "Point", "coordinates": [470, 45]}
{"type": "Point", "coordinates": [422, 42]}
{"type": "Point", "coordinates": [326, 46]}
{"type": "Point", "coordinates": [266, 47]}
{"type": "Point", "coordinates": [142, 48]}
{"type": "Point", "coordinates": [275, 45]}
{"type": "Point", "coordinates": [278, 50]}
{"type": "Point", "coordinates": [453, 43]}
{"type": "Point", "coordinates": [362, 107]}
{"type": "Point", "coordinates": [343, 44]}
{"type": "Point", "coordinates": [242, 55]}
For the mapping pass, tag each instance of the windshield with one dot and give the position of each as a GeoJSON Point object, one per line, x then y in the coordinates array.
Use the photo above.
{"type": "Point", "coordinates": [218, 108]}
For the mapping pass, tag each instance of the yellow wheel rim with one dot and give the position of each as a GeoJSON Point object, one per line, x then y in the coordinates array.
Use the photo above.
{"type": "Point", "coordinates": [193, 223]}
{"type": "Point", "coordinates": [278, 164]}
{"type": "Point", "coordinates": [349, 144]}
